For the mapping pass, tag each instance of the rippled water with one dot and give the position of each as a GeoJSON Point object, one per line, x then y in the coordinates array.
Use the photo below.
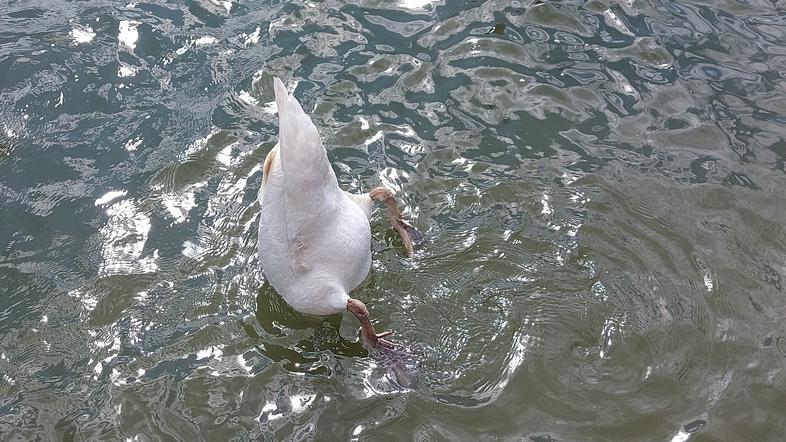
{"type": "Point", "coordinates": [601, 184]}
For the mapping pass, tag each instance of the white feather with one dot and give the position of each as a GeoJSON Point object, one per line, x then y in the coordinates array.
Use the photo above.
{"type": "Point", "coordinates": [314, 239]}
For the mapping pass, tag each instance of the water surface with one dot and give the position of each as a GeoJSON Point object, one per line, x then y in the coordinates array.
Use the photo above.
{"type": "Point", "coordinates": [601, 185]}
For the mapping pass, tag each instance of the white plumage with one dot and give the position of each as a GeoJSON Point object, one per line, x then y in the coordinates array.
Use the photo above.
{"type": "Point", "coordinates": [314, 238]}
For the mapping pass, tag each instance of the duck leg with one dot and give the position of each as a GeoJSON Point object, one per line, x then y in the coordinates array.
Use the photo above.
{"type": "Point", "coordinates": [405, 229]}
{"type": "Point", "coordinates": [360, 311]}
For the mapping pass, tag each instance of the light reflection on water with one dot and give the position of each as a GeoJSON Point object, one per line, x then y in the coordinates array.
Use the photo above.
{"type": "Point", "coordinates": [599, 183]}
{"type": "Point", "coordinates": [124, 237]}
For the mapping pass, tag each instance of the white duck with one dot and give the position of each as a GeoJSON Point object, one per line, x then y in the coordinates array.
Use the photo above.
{"type": "Point", "coordinates": [314, 238]}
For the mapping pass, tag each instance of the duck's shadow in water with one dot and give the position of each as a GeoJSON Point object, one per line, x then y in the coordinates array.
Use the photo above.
{"type": "Point", "coordinates": [275, 316]}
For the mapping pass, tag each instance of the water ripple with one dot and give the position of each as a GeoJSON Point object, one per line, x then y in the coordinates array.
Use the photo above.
{"type": "Point", "coordinates": [600, 184]}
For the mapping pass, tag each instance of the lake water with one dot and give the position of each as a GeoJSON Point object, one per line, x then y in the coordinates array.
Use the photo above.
{"type": "Point", "coordinates": [601, 184]}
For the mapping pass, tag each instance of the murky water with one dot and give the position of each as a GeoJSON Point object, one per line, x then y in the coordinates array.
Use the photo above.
{"type": "Point", "coordinates": [601, 184]}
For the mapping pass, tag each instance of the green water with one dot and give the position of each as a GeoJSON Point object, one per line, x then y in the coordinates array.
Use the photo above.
{"type": "Point", "coordinates": [601, 184]}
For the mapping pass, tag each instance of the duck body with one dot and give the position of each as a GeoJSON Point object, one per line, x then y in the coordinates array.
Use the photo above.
{"type": "Point", "coordinates": [314, 238]}
{"type": "Point", "coordinates": [316, 261]}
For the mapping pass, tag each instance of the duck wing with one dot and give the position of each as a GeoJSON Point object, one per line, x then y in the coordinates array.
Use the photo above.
{"type": "Point", "coordinates": [312, 198]}
{"type": "Point", "coordinates": [303, 157]}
